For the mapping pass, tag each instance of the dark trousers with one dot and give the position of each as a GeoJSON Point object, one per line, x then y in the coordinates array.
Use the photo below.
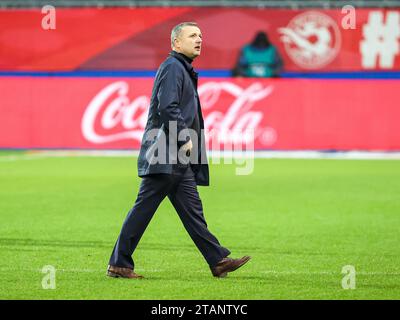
{"type": "Point", "coordinates": [181, 190]}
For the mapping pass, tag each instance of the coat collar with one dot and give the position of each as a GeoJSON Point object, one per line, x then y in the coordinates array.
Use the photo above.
{"type": "Point", "coordinates": [185, 61]}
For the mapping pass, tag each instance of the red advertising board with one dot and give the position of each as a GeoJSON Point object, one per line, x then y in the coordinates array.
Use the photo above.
{"type": "Point", "coordinates": [138, 38]}
{"type": "Point", "coordinates": [284, 114]}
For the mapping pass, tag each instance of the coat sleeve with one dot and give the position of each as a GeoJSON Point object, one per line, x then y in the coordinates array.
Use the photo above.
{"type": "Point", "coordinates": [169, 96]}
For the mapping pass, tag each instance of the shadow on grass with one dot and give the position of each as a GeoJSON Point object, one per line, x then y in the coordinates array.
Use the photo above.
{"type": "Point", "coordinates": [18, 242]}
{"type": "Point", "coordinates": [198, 278]}
{"type": "Point", "coordinates": [52, 243]}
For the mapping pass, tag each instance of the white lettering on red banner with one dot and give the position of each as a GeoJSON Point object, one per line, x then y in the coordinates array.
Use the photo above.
{"type": "Point", "coordinates": [111, 109]}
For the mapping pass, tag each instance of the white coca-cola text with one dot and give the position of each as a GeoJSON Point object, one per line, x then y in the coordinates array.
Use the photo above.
{"type": "Point", "coordinates": [111, 116]}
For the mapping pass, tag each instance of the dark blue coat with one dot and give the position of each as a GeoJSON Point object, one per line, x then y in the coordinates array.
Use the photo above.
{"type": "Point", "coordinates": [174, 98]}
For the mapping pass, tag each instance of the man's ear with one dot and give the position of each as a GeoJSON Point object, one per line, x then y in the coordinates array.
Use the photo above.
{"type": "Point", "coordinates": [176, 42]}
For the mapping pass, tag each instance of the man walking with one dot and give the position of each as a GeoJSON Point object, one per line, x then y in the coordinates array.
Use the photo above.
{"type": "Point", "coordinates": [172, 160]}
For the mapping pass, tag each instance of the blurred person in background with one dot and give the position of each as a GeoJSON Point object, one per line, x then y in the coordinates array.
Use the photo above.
{"type": "Point", "coordinates": [259, 59]}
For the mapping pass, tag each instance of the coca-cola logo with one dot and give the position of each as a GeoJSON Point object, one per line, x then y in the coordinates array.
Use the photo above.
{"type": "Point", "coordinates": [111, 116]}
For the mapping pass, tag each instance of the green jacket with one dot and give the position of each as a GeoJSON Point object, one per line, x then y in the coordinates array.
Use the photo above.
{"type": "Point", "coordinates": [255, 62]}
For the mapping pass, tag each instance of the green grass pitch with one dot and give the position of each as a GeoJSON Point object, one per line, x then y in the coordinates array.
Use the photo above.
{"type": "Point", "coordinates": [302, 221]}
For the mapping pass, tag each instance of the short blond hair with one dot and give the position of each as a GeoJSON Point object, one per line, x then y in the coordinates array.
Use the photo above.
{"type": "Point", "coordinates": [176, 31]}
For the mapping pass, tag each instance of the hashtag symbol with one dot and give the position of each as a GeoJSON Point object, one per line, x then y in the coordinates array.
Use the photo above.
{"type": "Point", "coordinates": [380, 41]}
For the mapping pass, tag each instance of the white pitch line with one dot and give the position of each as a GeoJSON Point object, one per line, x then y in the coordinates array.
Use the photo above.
{"type": "Point", "coordinates": [307, 154]}
{"type": "Point", "coordinates": [22, 157]}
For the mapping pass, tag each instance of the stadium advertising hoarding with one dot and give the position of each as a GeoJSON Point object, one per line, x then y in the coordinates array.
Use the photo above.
{"type": "Point", "coordinates": [137, 38]}
{"type": "Point", "coordinates": [283, 114]}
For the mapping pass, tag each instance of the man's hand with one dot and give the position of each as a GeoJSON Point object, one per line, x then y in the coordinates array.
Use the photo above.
{"type": "Point", "coordinates": [188, 146]}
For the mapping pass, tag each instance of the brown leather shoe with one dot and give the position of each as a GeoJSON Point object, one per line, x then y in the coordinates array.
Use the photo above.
{"type": "Point", "coordinates": [228, 265]}
{"type": "Point", "coordinates": [117, 272]}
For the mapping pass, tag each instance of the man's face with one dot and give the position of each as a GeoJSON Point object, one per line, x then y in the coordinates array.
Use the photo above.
{"type": "Point", "coordinates": [189, 42]}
